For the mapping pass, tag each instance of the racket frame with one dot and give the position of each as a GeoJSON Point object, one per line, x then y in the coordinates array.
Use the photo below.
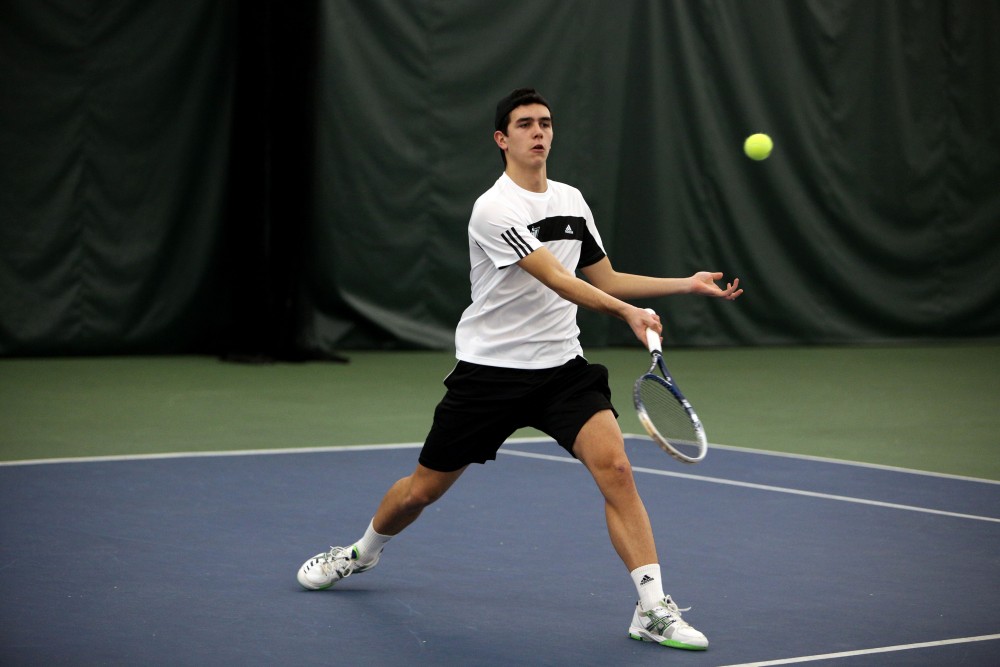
{"type": "Point", "coordinates": [656, 352]}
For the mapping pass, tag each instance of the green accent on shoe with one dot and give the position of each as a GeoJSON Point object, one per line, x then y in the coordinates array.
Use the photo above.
{"type": "Point", "coordinates": [670, 643]}
{"type": "Point", "coordinates": [687, 647]}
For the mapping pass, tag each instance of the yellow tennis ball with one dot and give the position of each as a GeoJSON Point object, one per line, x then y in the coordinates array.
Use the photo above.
{"type": "Point", "coordinates": [758, 146]}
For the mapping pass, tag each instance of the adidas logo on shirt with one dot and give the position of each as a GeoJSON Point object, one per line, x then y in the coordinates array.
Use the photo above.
{"type": "Point", "coordinates": [569, 230]}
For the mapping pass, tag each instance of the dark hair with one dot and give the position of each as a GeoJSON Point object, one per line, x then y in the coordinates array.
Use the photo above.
{"type": "Point", "coordinates": [516, 98]}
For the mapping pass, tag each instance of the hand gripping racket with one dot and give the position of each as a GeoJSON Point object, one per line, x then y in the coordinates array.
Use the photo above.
{"type": "Point", "coordinates": [664, 412]}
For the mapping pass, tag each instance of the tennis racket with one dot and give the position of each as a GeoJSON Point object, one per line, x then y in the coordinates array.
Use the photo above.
{"type": "Point", "coordinates": [664, 412]}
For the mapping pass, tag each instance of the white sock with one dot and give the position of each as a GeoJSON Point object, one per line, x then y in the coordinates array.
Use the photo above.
{"type": "Point", "coordinates": [649, 585]}
{"type": "Point", "coordinates": [371, 544]}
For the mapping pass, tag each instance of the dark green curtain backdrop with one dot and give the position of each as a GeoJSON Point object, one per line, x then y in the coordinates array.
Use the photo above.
{"type": "Point", "coordinates": [125, 188]}
{"type": "Point", "coordinates": [114, 140]}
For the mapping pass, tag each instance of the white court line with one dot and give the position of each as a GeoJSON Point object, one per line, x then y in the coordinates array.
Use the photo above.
{"type": "Point", "coordinates": [844, 462]}
{"type": "Point", "coordinates": [549, 457]}
{"type": "Point", "coordinates": [213, 454]}
{"type": "Point", "coordinates": [870, 651]}
{"type": "Point", "coordinates": [766, 487]}
{"type": "Point", "coordinates": [414, 445]}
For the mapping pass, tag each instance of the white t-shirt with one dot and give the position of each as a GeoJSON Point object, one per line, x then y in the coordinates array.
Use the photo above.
{"type": "Point", "coordinates": [514, 320]}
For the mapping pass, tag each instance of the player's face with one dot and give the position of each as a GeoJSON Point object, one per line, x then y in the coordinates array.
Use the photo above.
{"type": "Point", "coordinates": [529, 135]}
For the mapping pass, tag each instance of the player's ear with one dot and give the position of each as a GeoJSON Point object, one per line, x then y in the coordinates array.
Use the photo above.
{"type": "Point", "coordinates": [501, 139]}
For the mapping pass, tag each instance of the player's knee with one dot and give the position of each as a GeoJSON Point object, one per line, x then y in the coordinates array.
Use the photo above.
{"type": "Point", "coordinates": [623, 469]}
{"type": "Point", "coordinates": [617, 471]}
{"type": "Point", "coordinates": [420, 496]}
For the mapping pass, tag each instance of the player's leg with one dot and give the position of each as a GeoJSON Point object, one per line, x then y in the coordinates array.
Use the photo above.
{"type": "Point", "coordinates": [407, 498]}
{"type": "Point", "coordinates": [400, 506]}
{"type": "Point", "coordinates": [656, 618]}
{"type": "Point", "coordinates": [601, 448]}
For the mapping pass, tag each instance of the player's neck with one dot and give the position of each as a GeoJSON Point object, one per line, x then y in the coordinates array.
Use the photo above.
{"type": "Point", "coordinates": [532, 180]}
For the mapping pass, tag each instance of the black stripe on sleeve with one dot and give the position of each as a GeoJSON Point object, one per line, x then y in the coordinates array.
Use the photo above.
{"type": "Point", "coordinates": [591, 252]}
{"type": "Point", "coordinates": [515, 241]}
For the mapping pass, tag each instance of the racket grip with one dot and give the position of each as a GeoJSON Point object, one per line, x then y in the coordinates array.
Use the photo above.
{"type": "Point", "coordinates": [652, 338]}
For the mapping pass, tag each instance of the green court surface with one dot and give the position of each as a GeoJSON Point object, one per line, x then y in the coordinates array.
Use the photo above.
{"type": "Point", "coordinates": [930, 407]}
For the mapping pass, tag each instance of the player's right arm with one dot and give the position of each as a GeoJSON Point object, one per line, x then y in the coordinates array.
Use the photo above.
{"type": "Point", "coordinates": [545, 268]}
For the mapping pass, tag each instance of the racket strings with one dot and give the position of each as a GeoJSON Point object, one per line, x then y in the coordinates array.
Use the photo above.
{"type": "Point", "coordinates": [668, 416]}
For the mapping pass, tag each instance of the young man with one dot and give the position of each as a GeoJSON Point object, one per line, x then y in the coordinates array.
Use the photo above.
{"type": "Point", "coordinates": [520, 363]}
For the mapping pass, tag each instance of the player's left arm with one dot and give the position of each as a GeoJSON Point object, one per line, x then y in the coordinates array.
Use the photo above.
{"type": "Point", "coordinates": [631, 286]}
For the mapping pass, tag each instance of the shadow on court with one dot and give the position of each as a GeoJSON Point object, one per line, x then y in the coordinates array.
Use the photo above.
{"type": "Point", "coordinates": [191, 561]}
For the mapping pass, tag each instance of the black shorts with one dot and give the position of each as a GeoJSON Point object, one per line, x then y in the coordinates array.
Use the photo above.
{"type": "Point", "coordinates": [484, 405]}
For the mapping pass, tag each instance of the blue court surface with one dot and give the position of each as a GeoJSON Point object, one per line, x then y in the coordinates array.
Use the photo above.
{"type": "Point", "coordinates": [191, 560]}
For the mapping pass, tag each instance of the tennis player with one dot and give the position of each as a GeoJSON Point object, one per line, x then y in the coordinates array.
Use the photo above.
{"type": "Point", "coordinates": [520, 363]}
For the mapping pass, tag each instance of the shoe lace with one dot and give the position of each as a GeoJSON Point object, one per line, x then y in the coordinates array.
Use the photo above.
{"type": "Point", "coordinates": [665, 614]}
{"type": "Point", "coordinates": [337, 559]}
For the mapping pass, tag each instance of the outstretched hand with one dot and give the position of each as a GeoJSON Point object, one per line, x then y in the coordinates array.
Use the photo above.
{"type": "Point", "coordinates": [703, 283]}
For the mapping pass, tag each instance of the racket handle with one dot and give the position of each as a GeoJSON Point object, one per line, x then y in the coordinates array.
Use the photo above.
{"type": "Point", "coordinates": [653, 338]}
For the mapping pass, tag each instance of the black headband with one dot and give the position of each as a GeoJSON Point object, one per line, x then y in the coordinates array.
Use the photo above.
{"type": "Point", "coordinates": [517, 98]}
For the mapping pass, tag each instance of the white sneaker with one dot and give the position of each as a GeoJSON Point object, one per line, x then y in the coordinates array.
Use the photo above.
{"type": "Point", "coordinates": [663, 624]}
{"type": "Point", "coordinates": [325, 569]}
